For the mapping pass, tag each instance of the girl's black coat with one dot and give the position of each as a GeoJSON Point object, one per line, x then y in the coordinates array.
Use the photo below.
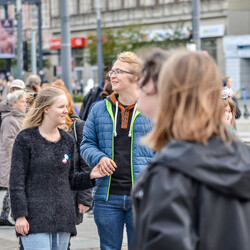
{"type": "Point", "coordinates": [194, 197]}
{"type": "Point", "coordinates": [41, 178]}
{"type": "Point", "coordinates": [80, 197]}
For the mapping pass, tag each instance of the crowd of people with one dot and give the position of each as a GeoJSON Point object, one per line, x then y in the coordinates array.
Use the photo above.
{"type": "Point", "coordinates": [157, 152]}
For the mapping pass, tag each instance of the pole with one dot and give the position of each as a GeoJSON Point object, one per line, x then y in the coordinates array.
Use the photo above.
{"type": "Point", "coordinates": [40, 48]}
{"type": "Point", "coordinates": [196, 22]}
{"type": "Point", "coordinates": [66, 45]}
{"type": "Point", "coordinates": [19, 39]}
{"type": "Point", "coordinates": [99, 42]}
{"type": "Point", "coordinates": [33, 53]}
{"type": "Point", "coordinates": [8, 61]}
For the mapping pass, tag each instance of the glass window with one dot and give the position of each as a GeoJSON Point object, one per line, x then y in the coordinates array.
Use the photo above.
{"type": "Point", "coordinates": [210, 45]}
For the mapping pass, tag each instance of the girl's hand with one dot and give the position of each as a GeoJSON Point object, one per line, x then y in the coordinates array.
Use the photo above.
{"type": "Point", "coordinates": [22, 226]}
{"type": "Point", "coordinates": [96, 172]}
{"type": "Point", "coordinates": [82, 208]}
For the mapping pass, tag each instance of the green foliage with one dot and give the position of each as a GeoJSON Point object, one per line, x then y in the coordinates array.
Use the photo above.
{"type": "Point", "coordinates": [78, 98]}
{"type": "Point", "coordinates": [131, 38]}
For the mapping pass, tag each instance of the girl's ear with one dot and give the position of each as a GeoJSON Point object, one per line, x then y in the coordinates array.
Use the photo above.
{"type": "Point", "coordinates": [46, 109]}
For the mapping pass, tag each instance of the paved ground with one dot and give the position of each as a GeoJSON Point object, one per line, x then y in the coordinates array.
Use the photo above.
{"type": "Point", "coordinates": [87, 237]}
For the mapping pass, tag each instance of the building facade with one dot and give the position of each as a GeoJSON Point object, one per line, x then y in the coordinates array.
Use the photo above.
{"type": "Point", "coordinates": [222, 22]}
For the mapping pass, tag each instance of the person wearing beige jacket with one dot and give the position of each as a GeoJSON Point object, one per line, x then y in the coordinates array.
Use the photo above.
{"type": "Point", "coordinates": [12, 113]}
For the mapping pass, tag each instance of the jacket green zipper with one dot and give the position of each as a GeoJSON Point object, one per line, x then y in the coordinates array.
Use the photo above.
{"type": "Point", "coordinates": [109, 108]}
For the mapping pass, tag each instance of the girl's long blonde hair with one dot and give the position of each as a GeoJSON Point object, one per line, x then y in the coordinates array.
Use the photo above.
{"type": "Point", "coordinates": [45, 98]}
{"type": "Point", "coordinates": [190, 105]}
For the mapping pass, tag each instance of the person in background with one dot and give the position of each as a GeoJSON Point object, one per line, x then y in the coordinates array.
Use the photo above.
{"type": "Point", "coordinates": [195, 193]}
{"type": "Point", "coordinates": [111, 141]}
{"type": "Point", "coordinates": [229, 108]}
{"type": "Point", "coordinates": [12, 115]}
{"type": "Point", "coordinates": [33, 84]}
{"type": "Point", "coordinates": [107, 91]}
{"type": "Point", "coordinates": [45, 84]}
{"type": "Point", "coordinates": [17, 85]}
{"type": "Point", "coordinates": [147, 86]}
{"type": "Point", "coordinates": [43, 173]}
{"type": "Point", "coordinates": [229, 83]}
{"type": "Point", "coordinates": [6, 90]}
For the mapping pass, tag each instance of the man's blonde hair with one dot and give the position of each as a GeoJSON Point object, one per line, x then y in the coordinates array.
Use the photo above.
{"type": "Point", "coordinates": [135, 63]}
{"type": "Point", "coordinates": [190, 105]}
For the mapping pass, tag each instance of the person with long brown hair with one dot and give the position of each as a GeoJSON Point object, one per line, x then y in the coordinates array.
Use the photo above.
{"type": "Point", "coordinates": [195, 194]}
{"type": "Point", "coordinates": [43, 173]}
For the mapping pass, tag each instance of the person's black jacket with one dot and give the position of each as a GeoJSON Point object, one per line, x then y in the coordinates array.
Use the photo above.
{"type": "Point", "coordinates": [237, 109]}
{"type": "Point", "coordinates": [80, 197]}
{"type": "Point", "coordinates": [92, 96]}
{"type": "Point", "coordinates": [194, 197]}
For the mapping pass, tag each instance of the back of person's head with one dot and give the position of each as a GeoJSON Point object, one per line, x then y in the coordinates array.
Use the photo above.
{"type": "Point", "coordinates": [33, 83]}
{"type": "Point", "coordinates": [230, 102]}
{"type": "Point", "coordinates": [70, 107]}
{"type": "Point", "coordinates": [34, 80]}
{"type": "Point", "coordinates": [45, 84]}
{"type": "Point", "coordinates": [45, 98]}
{"type": "Point", "coordinates": [59, 82]}
{"type": "Point", "coordinates": [135, 63]}
{"type": "Point", "coordinates": [153, 62]}
{"type": "Point", "coordinates": [15, 96]}
{"type": "Point", "coordinates": [190, 105]}
{"type": "Point", "coordinates": [107, 90]}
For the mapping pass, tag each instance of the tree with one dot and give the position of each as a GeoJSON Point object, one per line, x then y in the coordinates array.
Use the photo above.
{"type": "Point", "coordinates": [132, 38]}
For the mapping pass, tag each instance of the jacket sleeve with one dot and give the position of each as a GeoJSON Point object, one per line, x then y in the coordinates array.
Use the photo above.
{"type": "Point", "coordinates": [78, 180]}
{"type": "Point", "coordinates": [10, 131]}
{"type": "Point", "coordinates": [19, 168]}
{"type": "Point", "coordinates": [90, 151]}
{"type": "Point", "coordinates": [82, 197]}
{"type": "Point", "coordinates": [165, 216]}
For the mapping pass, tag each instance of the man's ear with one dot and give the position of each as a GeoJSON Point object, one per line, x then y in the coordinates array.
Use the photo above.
{"type": "Point", "coordinates": [135, 79]}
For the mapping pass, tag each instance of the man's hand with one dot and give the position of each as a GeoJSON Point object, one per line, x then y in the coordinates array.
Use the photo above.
{"type": "Point", "coordinates": [22, 226]}
{"type": "Point", "coordinates": [106, 166]}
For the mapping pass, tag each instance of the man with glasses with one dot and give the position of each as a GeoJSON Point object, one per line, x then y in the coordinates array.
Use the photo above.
{"type": "Point", "coordinates": [112, 135]}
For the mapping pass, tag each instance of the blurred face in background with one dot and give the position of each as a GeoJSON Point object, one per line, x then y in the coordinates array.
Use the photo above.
{"type": "Point", "coordinates": [20, 104]}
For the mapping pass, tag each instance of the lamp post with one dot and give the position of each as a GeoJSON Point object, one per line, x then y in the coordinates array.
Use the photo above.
{"type": "Point", "coordinates": [99, 42]}
{"type": "Point", "coordinates": [66, 45]}
{"type": "Point", "coordinates": [196, 22]}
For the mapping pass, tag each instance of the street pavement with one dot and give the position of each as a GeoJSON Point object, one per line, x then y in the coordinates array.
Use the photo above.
{"type": "Point", "coordinates": [87, 237]}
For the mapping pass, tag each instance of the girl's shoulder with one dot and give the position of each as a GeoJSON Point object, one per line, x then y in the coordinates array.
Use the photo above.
{"type": "Point", "coordinates": [66, 136]}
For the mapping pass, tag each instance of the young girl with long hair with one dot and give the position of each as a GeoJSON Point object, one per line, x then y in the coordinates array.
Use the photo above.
{"type": "Point", "coordinates": [42, 175]}
{"type": "Point", "coordinates": [195, 194]}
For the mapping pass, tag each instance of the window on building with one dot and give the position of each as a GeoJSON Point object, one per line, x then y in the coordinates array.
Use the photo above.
{"type": "Point", "coordinates": [210, 45]}
{"type": "Point", "coordinates": [157, 1]}
{"type": "Point", "coordinates": [138, 3]}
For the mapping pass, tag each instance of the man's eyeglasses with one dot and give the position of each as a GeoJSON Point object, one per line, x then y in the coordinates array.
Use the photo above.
{"type": "Point", "coordinates": [118, 72]}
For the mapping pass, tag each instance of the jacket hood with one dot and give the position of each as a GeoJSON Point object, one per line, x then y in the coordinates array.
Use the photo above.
{"type": "Point", "coordinates": [224, 167]}
{"type": "Point", "coordinates": [8, 110]}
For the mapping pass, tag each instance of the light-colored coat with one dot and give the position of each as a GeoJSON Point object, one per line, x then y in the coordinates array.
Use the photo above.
{"type": "Point", "coordinates": [11, 125]}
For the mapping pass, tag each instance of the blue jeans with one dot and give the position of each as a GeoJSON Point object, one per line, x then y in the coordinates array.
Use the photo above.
{"type": "Point", "coordinates": [46, 241]}
{"type": "Point", "coordinates": [110, 217]}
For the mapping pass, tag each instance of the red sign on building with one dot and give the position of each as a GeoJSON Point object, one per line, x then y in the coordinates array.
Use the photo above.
{"type": "Point", "coordinates": [76, 42]}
